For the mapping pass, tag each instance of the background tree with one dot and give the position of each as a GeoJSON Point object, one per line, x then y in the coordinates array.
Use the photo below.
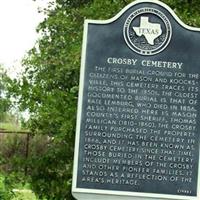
{"type": "Point", "coordinates": [4, 101]}
{"type": "Point", "coordinates": [49, 85]}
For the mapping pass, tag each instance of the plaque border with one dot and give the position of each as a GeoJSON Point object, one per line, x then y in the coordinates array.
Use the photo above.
{"type": "Point", "coordinates": [114, 194]}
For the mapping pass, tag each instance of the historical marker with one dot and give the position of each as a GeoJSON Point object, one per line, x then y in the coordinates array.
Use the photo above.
{"type": "Point", "coordinates": [138, 127]}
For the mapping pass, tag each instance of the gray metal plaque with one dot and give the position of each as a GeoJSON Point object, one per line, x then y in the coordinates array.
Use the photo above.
{"type": "Point", "coordinates": [138, 114]}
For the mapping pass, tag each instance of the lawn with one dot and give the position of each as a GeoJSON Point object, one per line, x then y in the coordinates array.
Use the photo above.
{"type": "Point", "coordinates": [9, 126]}
{"type": "Point", "coordinates": [24, 194]}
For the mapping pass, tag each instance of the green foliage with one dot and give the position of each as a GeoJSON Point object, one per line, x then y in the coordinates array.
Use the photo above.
{"type": "Point", "coordinates": [12, 189]}
{"type": "Point", "coordinates": [8, 182]}
{"type": "Point", "coordinates": [4, 101]}
{"type": "Point", "coordinates": [14, 164]}
{"type": "Point", "coordinates": [187, 10]}
{"type": "Point", "coordinates": [5, 191]}
{"type": "Point", "coordinates": [16, 149]}
{"type": "Point", "coordinates": [48, 87]}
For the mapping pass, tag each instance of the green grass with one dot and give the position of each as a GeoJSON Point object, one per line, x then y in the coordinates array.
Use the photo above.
{"type": "Point", "coordinates": [10, 122]}
{"type": "Point", "coordinates": [24, 195]}
{"type": "Point", "coordinates": [9, 126]}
